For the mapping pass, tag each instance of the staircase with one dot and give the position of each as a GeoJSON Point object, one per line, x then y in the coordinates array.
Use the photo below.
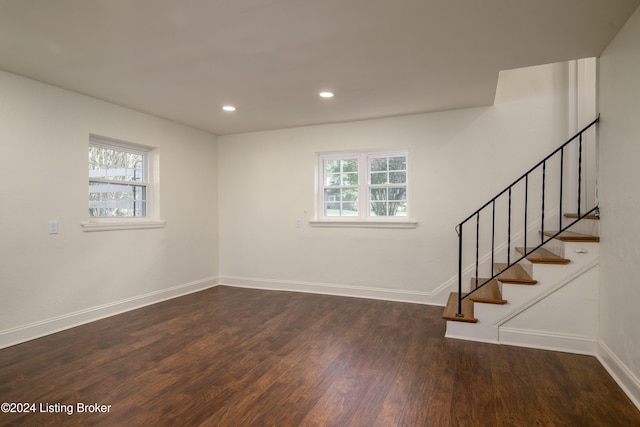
{"type": "Point", "coordinates": [518, 287]}
{"type": "Point", "coordinates": [506, 282]}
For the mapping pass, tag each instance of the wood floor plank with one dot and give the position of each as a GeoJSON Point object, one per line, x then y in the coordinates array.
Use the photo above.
{"type": "Point", "coordinates": [241, 357]}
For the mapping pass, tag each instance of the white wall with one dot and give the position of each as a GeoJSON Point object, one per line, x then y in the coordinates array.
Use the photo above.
{"type": "Point", "coordinates": [458, 160]}
{"type": "Point", "coordinates": [49, 282]}
{"type": "Point", "coordinates": [619, 97]}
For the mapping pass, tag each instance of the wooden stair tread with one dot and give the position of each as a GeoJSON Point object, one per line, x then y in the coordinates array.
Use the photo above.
{"type": "Point", "coordinates": [451, 309]}
{"type": "Point", "coordinates": [515, 274]}
{"type": "Point", "coordinates": [575, 216]}
{"type": "Point", "coordinates": [488, 294]}
{"type": "Point", "coordinates": [571, 236]}
{"type": "Point", "coordinates": [543, 256]}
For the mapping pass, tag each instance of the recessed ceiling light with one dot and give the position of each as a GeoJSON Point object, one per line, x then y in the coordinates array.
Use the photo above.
{"type": "Point", "coordinates": [326, 94]}
{"type": "Point", "coordinates": [229, 108]}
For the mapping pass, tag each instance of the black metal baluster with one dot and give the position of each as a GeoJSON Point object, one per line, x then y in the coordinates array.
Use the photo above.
{"type": "Point", "coordinates": [526, 197]}
{"type": "Point", "coordinates": [544, 181]}
{"type": "Point", "coordinates": [579, 175]}
{"type": "Point", "coordinates": [509, 232]}
{"type": "Point", "coordinates": [493, 232]}
{"type": "Point", "coordinates": [477, 245]}
{"type": "Point", "coordinates": [561, 186]}
{"type": "Point", "coordinates": [459, 313]}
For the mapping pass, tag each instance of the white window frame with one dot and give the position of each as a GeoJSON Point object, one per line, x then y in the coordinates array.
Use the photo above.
{"type": "Point", "coordinates": [151, 217]}
{"type": "Point", "coordinates": [364, 218]}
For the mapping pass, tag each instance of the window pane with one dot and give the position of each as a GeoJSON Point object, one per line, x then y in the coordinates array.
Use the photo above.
{"type": "Point", "coordinates": [350, 165]}
{"type": "Point", "coordinates": [379, 164]}
{"type": "Point", "coordinates": [340, 202]}
{"type": "Point", "coordinates": [397, 193]}
{"type": "Point", "coordinates": [379, 178]}
{"type": "Point", "coordinates": [398, 163]}
{"type": "Point", "coordinates": [388, 208]}
{"type": "Point", "coordinates": [341, 209]}
{"type": "Point", "coordinates": [349, 209]}
{"type": "Point", "coordinates": [350, 179]}
{"type": "Point", "coordinates": [398, 208]}
{"type": "Point", "coordinates": [115, 165]}
{"type": "Point", "coordinates": [397, 177]}
{"type": "Point", "coordinates": [341, 172]}
{"type": "Point", "coordinates": [378, 194]}
{"type": "Point", "coordinates": [378, 209]}
{"type": "Point", "coordinates": [391, 201]}
{"type": "Point", "coordinates": [332, 195]}
{"type": "Point", "coordinates": [388, 170]}
{"type": "Point", "coordinates": [350, 194]}
{"type": "Point", "coordinates": [333, 179]}
{"type": "Point", "coordinates": [332, 166]}
{"type": "Point", "coordinates": [113, 200]}
{"type": "Point", "coordinates": [332, 209]}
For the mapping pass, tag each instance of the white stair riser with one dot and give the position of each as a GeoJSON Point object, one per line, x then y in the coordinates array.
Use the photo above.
{"type": "Point", "coordinates": [586, 226]}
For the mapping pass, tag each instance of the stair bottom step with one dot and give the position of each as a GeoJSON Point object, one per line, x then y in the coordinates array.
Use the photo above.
{"type": "Point", "coordinates": [451, 309]}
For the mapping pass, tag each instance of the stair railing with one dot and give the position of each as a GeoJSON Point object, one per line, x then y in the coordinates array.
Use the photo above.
{"type": "Point", "coordinates": [541, 167]}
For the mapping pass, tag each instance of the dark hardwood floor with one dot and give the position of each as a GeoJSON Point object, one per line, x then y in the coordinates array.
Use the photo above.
{"type": "Point", "coordinates": [241, 357]}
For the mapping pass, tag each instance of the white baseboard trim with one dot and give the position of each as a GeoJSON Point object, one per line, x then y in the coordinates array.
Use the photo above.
{"type": "Point", "coordinates": [386, 294]}
{"type": "Point", "coordinates": [20, 334]}
{"type": "Point", "coordinates": [627, 381]}
{"type": "Point", "coordinates": [476, 332]}
{"type": "Point", "coordinates": [567, 343]}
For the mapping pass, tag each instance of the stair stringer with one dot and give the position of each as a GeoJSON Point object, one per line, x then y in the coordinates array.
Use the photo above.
{"type": "Point", "coordinates": [584, 256]}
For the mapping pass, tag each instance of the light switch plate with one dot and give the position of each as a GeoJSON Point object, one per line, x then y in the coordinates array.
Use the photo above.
{"type": "Point", "coordinates": [53, 227]}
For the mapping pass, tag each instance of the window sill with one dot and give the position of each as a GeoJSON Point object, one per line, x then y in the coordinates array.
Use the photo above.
{"type": "Point", "coordinates": [121, 225]}
{"type": "Point", "coordinates": [363, 223]}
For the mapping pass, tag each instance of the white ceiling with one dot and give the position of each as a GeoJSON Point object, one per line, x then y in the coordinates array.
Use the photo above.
{"type": "Point", "coordinates": [183, 60]}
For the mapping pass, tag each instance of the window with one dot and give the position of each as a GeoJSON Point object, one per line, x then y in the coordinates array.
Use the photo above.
{"type": "Point", "coordinates": [363, 186]}
{"type": "Point", "coordinates": [117, 180]}
{"type": "Point", "coordinates": [120, 185]}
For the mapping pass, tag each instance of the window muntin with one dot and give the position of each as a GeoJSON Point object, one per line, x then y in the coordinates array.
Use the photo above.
{"type": "Point", "coordinates": [118, 180]}
{"type": "Point", "coordinates": [364, 185]}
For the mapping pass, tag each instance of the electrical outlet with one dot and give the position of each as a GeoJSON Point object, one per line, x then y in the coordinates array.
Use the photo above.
{"type": "Point", "coordinates": [298, 223]}
{"type": "Point", "coordinates": [53, 227]}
